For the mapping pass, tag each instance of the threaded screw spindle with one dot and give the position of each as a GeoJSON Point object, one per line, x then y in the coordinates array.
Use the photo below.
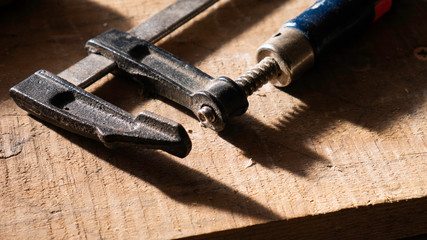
{"type": "Point", "coordinates": [259, 75]}
{"type": "Point", "coordinates": [252, 80]}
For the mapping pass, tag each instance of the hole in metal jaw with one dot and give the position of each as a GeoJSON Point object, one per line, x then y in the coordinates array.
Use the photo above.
{"type": "Point", "coordinates": [139, 51]}
{"type": "Point", "coordinates": [60, 100]}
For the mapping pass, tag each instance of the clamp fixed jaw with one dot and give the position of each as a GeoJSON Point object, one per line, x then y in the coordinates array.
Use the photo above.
{"type": "Point", "coordinates": [63, 104]}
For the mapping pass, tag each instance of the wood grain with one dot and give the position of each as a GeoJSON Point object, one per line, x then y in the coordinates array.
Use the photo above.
{"type": "Point", "coordinates": [342, 153]}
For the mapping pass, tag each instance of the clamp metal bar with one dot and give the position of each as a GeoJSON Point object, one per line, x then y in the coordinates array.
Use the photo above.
{"type": "Point", "coordinates": [93, 67]}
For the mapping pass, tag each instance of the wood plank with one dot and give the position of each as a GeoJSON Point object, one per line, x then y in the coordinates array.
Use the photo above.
{"type": "Point", "coordinates": [341, 153]}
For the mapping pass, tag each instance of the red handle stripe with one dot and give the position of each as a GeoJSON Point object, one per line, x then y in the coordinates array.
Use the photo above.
{"type": "Point", "coordinates": [381, 7]}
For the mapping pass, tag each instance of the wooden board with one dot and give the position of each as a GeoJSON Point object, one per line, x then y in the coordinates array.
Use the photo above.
{"type": "Point", "coordinates": [342, 153]}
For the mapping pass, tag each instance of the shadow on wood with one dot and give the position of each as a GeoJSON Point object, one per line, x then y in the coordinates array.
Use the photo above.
{"type": "Point", "coordinates": [174, 179]}
{"type": "Point", "coordinates": [36, 35]}
{"type": "Point", "coordinates": [368, 222]}
{"type": "Point", "coordinates": [371, 81]}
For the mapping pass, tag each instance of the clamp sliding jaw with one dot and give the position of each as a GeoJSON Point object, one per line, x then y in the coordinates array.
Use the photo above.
{"type": "Point", "coordinates": [172, 78]}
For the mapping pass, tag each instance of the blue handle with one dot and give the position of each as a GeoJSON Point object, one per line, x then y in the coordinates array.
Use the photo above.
{"type": "Point", "coordinates": [329, 21]}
